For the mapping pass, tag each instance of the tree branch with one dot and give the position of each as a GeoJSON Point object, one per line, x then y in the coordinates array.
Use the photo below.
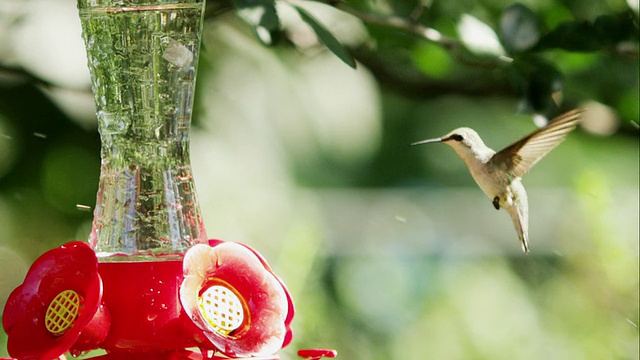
{"type": "Point", "coordinates": [20, 74]}
{"type": "Point", "coordinates": [396, 22]}
{"type": "Point", "coordinates": [410, 26]}
{"type": "Point", "coordinates": [413, 84]}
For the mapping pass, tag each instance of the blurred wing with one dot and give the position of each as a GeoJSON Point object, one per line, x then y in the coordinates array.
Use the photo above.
{"type": "Point", "coordinates": [518, 158]}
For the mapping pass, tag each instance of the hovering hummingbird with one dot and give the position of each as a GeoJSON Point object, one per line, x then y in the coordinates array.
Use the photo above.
{"type": "Point", "coordinates": [499, 174]}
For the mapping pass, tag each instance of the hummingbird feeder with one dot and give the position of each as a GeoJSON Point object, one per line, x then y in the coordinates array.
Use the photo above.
{"type": "Point", "coordinates": [149, 284]}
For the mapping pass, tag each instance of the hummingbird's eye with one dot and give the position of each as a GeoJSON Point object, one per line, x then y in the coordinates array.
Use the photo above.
{"type": "Point", "coordinates": [457, 137]}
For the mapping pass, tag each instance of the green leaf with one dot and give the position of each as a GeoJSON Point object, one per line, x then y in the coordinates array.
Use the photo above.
{"type": "Point", "coordinates": [519, 28]}
{"type": "Point", "coordinates": [541, 84]}
{"type": "Point", "coordinates": [326, 37]}
{"type": "Point", "coordinates": [432, 60]}
{"type": "Point", "coordinates": [478, 37]}
{"type": "Point", "coordinates": [605, 31]}
{"type": "Point", "coordinates": [262, 16]}
{"type": "Point", "coordinates": [269, 19]}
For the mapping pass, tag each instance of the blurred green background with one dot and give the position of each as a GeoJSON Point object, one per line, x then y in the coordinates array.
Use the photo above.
{"type": "Point", "coordinates": [390, 252]}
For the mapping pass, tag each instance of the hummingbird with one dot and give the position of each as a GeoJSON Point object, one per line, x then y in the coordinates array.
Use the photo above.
{"type": "Point", "coordinates": [499, 174]}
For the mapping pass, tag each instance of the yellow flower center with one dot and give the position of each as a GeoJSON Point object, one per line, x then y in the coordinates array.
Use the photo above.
{"type": "Point", "coordinates": [221, 308]}
{"type": "Point", "coordinates": [62, 312]}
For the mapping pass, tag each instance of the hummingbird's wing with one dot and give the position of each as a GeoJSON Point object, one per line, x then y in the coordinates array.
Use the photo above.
{"type": "Point", "coordinates": [518, 158]}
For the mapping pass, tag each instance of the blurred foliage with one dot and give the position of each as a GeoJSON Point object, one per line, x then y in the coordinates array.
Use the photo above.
{"type": "Point", "coordinates": [275, 129]}
{"type": "Point", "coordinates": [520, 51]}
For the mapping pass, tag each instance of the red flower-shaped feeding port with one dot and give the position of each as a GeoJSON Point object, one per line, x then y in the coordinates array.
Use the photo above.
{"type": "Point", "coordinates": [228, 293]}
{"type": "Point", "coordinates": [58, 300]}
{"type": "Point", "coordinates": [317, 354]}
{"type": "Point", "coordinates": [231, 293]}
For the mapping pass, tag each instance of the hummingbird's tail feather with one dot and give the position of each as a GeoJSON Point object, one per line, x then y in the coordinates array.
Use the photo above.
{"type": "Point", "coordinates": [520, 222]}
{"type": "Point", "coordinates": [518, 209]}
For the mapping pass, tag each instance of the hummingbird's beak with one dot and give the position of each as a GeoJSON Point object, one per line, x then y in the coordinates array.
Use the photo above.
{"type": "Point", "coordinates": [428, 141]}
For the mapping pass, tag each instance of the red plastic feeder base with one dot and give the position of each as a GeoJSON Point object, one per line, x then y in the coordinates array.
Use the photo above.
{"type": "Point", "coordinates": [143, 300]}
{"type": "Point", "coordinates": [171, 355]}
